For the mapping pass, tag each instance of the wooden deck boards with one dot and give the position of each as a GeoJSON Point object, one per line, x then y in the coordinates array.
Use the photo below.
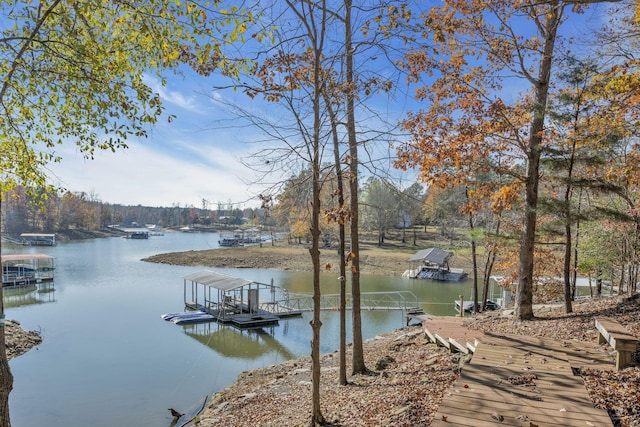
{"type": "Point", "coordinates": [526, 381]}
{"type": "Point", "coordinates": [450, 332]}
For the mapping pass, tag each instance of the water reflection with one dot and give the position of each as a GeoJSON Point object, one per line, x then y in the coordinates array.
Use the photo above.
{"type": "Point", "coordinates": [112, 361]}
{"type": "Point", "coordinates": [236, 343]}
{"type": "Point", "coordinates": [27, 295]}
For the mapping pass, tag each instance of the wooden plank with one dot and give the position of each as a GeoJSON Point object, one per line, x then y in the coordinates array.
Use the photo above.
{"type": "Point", "coordinates": [619, 338]}
{"type": "Point", "coordinates": [459, 346]}
{"type": "Point", "coordinates": [450, 332]}
{"type": "Point", "coordinates": [478, 410]}
{"type": "Point", "coordinates": [555, 396]}
{"type": "Point", "coordinates": [471, 347]}
{"type": "Point", "coordinates": [443, 341]}
{"type": "Point", "coordinates": [431, 337]}
{"type": "Point", "coordinates": [579, 354]}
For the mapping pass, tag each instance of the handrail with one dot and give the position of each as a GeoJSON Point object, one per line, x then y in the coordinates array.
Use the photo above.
{"type": "Point", "coordinates": [393, 300]}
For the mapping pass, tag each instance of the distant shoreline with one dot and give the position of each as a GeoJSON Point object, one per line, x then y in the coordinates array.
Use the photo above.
{"type": "Point", "coordinates": [387, 262]}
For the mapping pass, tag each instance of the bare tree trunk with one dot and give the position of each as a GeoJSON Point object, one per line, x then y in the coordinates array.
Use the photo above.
{"type": "Point", "coordinates": [359, 366]}
{"type": "Point", "coordinates": [574, 282]}
{"type": "Point", "coordinates": [342, 380]}
{"type": "Point", "coordinates": [474, 259]}
{"type": "Point", "coordinates": [316, 36]}
{"type": "Point", "coordinates": [567, 268]}
{"type": "Point", "coordinates": [6, 381]}
{"type": "Point", "coordinates": [524, 292]}
{"type": "Point", "coordinates": [488, 267]}
{"type": "Point", "coordinates": [6, 378]}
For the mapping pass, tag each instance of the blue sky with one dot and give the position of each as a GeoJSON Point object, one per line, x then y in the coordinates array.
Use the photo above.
{"type": "Point", "coordinates": [182, 162]}
{"type": "Point", "coordinates": [198, 155]}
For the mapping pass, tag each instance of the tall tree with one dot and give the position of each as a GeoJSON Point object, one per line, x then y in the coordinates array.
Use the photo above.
{"type": "Point", "coordinates": [574, 152]}
{"type": "Point", "coordinates": [73, 73]}
{"type": "Point", "coordinates": [292, 75]}
{"type": "Point", "coordinates": [411, 209]}
{"type": "Point", "coordinates": [339, 213]}
{"type": "Point", "coordinates": [475, 48]}
{"type": "Point", "coordinates": [357, 352]}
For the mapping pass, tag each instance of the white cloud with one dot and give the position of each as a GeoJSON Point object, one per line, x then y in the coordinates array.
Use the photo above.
{"type": "Point", "coordinates": [192, 158]}
{"type": "Point", "coordinates": [150, 177]}
{"type": "Point", "coordinates": [176, 98]}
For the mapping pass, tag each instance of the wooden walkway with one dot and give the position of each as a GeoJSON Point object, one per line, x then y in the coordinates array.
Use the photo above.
{"type": "Point", "coordinates": [521, 381]}
{"type": "Point", "coordinates": [451, 333]}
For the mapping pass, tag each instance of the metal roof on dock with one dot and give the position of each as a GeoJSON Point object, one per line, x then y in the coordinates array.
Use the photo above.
{"type": "Point", "coordinates": [434, 255]}
{"type": "Point", "coordinates": [220, 281]}
{"type": "Point", "coordinates": [25, 257]}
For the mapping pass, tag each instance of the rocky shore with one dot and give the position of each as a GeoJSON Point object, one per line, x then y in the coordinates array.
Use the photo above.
{"type": "Point", "coordinates": [18, 341]}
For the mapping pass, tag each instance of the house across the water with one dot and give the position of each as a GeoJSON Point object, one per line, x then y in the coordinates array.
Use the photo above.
{"type": "Point", "coordinates": [433, 263]}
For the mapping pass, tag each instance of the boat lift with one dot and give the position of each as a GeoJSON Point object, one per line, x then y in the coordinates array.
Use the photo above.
{"type": "Point", "coordinates": [237, 301]}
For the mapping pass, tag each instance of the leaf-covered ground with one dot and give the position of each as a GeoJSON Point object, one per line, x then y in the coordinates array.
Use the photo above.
{"type": "Point", "coordinates": [413, 375]}
{"type": "Point", "coordinates": [409, 377]}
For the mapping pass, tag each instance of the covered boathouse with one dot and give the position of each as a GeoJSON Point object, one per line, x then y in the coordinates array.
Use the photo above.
{"type": "Point", "coordinates": [433, 263]}
{"type": "Point", "coordinates": [38, 239]}
{"type": "Point", "coordinates": [26, 269]}
{"type": "Point", "coordinates": [233, 300]}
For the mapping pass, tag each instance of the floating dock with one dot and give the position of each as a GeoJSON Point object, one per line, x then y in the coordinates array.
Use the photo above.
{"type": "Point", "coordinates": [233, 300]}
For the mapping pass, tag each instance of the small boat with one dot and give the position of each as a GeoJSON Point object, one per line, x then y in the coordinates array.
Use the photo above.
{"type": "Point", "coordinates": [139, 235]}
{"type": "Point", "coordinates": [193, 318]}
{"type": "Point", "coordinates": [169, 316]}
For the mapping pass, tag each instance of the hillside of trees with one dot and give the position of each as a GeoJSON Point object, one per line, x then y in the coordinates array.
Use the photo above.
{"type": "Point", "coordinates": [385, 207]}
{"type": "Point", "coordinates": [76, 210]}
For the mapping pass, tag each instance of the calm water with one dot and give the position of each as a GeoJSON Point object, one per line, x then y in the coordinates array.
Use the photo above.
{"type": "Point", "coordinates": [107, 359]}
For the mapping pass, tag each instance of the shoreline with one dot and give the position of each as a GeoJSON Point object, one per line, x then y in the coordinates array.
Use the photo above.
{"type": "Point", "coordinates": [385, 261]}
{"type": "Point", "coordinates": [410, 376]}
{"type": "Point", "coordinates": [281, 394]}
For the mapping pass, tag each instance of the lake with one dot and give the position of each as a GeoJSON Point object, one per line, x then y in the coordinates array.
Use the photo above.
{"type": "Point", "coordinates": [108, 359]}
